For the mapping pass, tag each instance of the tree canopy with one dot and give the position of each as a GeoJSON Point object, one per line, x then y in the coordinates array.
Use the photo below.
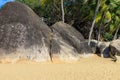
{"type": "Point", "coordinates": [80, 13]}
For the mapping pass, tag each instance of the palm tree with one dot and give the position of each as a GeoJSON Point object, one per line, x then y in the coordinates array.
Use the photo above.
{"type": "Point", "coordinates": [93, 23]}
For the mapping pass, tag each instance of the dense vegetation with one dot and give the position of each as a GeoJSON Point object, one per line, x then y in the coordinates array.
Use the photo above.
{"type": "Point", "coordinates": [80, 14]}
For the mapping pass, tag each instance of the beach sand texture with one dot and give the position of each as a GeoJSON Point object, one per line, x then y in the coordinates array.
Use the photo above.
{"type": "Point", "coordinates": [93, 68]}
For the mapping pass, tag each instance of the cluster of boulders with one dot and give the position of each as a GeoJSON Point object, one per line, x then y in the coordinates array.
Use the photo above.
{"type": "Point", "coordinates": [107, 49]}
{"type": "Point", "coordinates": [23, 35]}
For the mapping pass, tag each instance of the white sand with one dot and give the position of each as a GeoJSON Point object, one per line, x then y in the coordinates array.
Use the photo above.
{"type": "Point", "coordinates": [93, 68]}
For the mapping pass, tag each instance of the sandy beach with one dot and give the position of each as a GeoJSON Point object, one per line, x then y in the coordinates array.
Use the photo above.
{"type": "Point", "coordinates": [92, 68]}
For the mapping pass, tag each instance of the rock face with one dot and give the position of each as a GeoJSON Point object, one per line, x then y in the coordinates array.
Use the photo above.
{"type": "Point", "coordinates": [101, 48]}
{"type": "Point", "coordinates": [115, 47]}
{"type": "Point", "coordinates": [22, 34]}
{"type": "Point", "coordinates": [67, 42]}
{"type": "Point", "coordinates": [104, 49]}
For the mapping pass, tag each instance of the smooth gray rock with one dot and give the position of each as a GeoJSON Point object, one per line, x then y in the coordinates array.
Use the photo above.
{"type": "Point", "coordinates": [67, 42]}
{"type": "Point", "coordinates": [104, 49]}
{"type": "Point", "coordinates": [100, 48]}
{"type": "Point", "coordinates": [115, 47]}
{"type": "Point", "coordinates": [22, 34]}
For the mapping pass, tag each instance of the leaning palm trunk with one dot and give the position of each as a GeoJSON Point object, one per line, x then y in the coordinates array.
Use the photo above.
{"type": "Point", "coordinates": [115, 36]}
{"type": "Point", "coordinates": [101, 24]}
{"type": "Point", "coordinates": [93, 23]}
{"type": "Point", "coordinates": [62, 7]}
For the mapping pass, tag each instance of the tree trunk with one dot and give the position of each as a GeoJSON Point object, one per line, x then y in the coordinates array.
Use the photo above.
{"type": "Point", "coordinates": [93, 23]}
{"type": "Point", "coordinates": [62, 7]}
{"type": "Point", "coordinates": [115, 36]}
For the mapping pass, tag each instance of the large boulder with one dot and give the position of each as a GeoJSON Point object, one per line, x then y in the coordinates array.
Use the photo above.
{"type": "Point", "coordinates": [22, 34]}
{"type": "Point", "coordinates": [67, 42]}
{"type": "Point", "coordinates": [115, 47]}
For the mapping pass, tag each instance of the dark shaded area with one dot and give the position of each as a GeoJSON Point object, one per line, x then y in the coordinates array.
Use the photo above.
{"type": "Point", "coordinates": [85, 48]}
{"type": "Point", "coordinates": [83, 27]}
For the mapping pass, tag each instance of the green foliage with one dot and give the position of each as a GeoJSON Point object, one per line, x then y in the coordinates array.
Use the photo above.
{"type": "Point", "coordinates": [111, 19]}
{"type": "Point", "coordinates": [31, 3]}
{"type": "Point", "coordinates": [108, 36]}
